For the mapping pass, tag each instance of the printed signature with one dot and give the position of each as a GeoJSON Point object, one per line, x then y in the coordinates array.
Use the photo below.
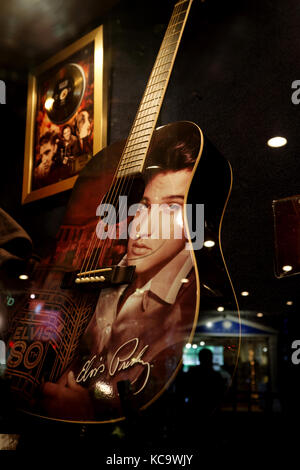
{"type": "Point", "coordinates": [120, 361]}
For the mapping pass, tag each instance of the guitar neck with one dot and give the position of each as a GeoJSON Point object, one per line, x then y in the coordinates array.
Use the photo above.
{"type": "Point", "coordinates": [139, 138]}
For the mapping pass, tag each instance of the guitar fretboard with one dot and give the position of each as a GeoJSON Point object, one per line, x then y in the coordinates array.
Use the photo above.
{"type": "Point", "coordinates": [138, 142]}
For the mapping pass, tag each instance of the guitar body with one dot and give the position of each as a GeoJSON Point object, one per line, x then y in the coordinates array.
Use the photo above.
{"type": "Point", "coordinates": [123, 343]}
{"type": "Point", "coordinates": [102, 326]}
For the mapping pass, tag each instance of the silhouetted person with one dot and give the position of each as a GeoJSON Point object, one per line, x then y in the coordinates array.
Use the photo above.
{"type": "Point", "coordinates": [205, 386]}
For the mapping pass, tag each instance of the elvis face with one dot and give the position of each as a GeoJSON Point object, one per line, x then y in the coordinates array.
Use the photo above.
{"type": "Point", "coordinates": [47, 152]}
{"type": "Point", "coordinates": [67, 133]}
{"type": "Point", "coordinates": [157, 231]}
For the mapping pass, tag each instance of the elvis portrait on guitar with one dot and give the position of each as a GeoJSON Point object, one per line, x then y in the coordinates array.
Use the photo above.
{"type": "Point", "coordinates": [138, 331]}
{"type": "Point", "coordinates": [110, 317]}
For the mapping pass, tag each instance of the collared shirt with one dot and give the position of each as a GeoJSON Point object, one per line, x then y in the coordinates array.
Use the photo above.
{"type": "Point", "coordinates": [150, 307]}
{"type": "Point", "coordinates": [141, 339]}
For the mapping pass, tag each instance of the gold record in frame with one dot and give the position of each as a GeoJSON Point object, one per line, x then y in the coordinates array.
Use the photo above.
{"type": "Point", "coordinates": [66, 93]}
{"type": "Point", "coordinates": [66, 117]}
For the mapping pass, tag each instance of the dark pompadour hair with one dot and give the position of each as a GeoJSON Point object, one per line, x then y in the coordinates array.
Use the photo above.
{"type": "Point", "coordinates": [172, 149]}
{"type": "Point", "coordinates": [48, 137]}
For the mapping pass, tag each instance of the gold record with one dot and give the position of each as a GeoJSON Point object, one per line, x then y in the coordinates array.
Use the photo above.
{"type": "Point", "coordinates": [65, 93]}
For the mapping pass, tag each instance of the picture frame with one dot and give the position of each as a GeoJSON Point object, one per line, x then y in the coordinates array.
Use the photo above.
{"type": "Point", "coordinates": [66, 122]}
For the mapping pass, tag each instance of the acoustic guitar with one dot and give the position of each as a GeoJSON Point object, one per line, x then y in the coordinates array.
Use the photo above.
{"type": "Point", "coordinates": [104, 320]}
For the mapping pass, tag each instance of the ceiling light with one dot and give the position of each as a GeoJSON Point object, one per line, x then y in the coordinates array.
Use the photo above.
{"type": "Point", "coordinates": [276, 142]}
{"type": "Point", "coordinates": [220, 309]}
{"type": "Point", "coordinates": [24, 277]}
{"type": "Point", "coordinates": [259, 314]}
{"type": "Point", "coordinates": [32, 296]}
{"type": "Point", "coordinates": [209, 324]}
{"type": "Point", "coordinates": [188, 345]}
{"type": "Point", "coordinates": [287, 268]}
{"type": "Point", "coordinates": [289, 302]}
{"type": "Point", "coordinates": [194, 346]}
{"type": "Point", "coordinates": [209, 243]}
{"type": "Point", "coordinates": [202, 343]}
{"type": "Point", "coordinates": [245, 293]}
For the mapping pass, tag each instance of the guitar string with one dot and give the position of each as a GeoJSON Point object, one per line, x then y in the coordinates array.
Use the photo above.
{"type": "Point", "coordinates": [113, 192]}
{"type": "Point", "coordinates": [123, 181]}
{"type": "Point", "coordinates": [160, 62]}
{"type": "Point", "coordinates": [88, 255]}
{"type": "Point", "coordinates": [154, 95]}
{"type": "Point", "coordinates": [130, 152]}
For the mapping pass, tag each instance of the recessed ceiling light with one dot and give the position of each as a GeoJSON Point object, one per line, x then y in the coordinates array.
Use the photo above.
{"type": "Point", "coordinates": [209, 324]}
{"type": "Point", "coordinates": [24, 277]}
{"type": "Point", "coordinates": [259, 314]}
{"type": "Point", "coordinates": [209, 243]}
{"type": "Point", "coordinates": [220, 309]}
{"type": "Point", "coordinates": [276, 142]}
{"type": "Point", "coordinates": [287, 268]}
{"type": "Point", "coordinates": [202, 343]}
{"type": "Point", "coordinates": [289, 302]}
{"type": "Point", "coordinates": [245, 293]}
{"type": "Point", "coordinates": [32, 296]}
{"type": "Point", "coordinates": [188, 346]}
{"type": "Point", "coordinates": [194, 346]}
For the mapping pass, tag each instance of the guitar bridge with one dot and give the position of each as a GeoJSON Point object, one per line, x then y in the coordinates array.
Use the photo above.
{"type": "Point", "coordinates": [106, 276]}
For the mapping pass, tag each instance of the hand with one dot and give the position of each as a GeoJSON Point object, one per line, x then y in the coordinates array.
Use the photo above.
{"type": "Point", "coordinates": [67, 401]}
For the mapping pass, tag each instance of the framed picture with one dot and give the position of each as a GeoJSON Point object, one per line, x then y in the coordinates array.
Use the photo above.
{"type": "Point", "coordinates": [66, 117]}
